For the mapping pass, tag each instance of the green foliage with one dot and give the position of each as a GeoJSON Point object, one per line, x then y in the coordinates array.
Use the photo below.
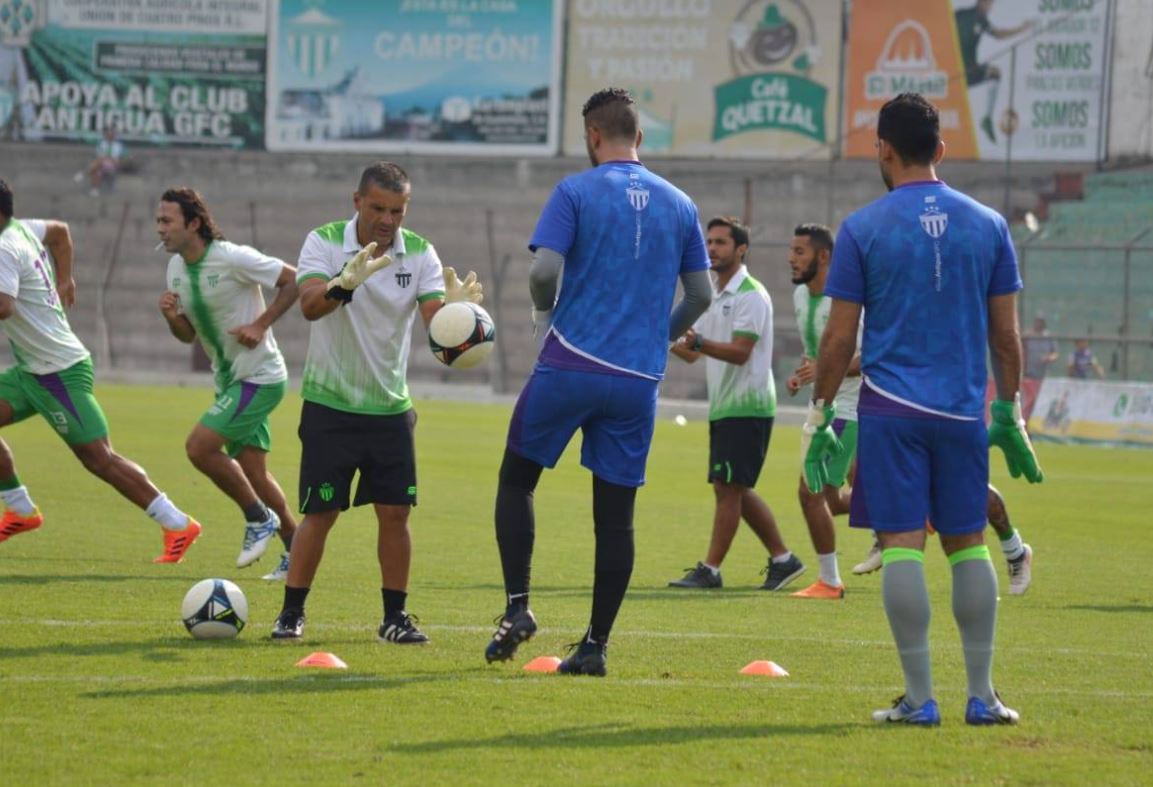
{"type": "Point", "coordinates": [100, 684]}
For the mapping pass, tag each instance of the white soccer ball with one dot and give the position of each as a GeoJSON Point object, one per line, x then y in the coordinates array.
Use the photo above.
{"type": "Point", "coordinates": [461, 335]}
{"type": "Point", "coordinates": [214, 609]}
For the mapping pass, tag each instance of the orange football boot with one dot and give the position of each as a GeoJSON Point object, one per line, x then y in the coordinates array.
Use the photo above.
{"type": "Point", "coordinates": [177, 542]}
{"type": "Point", "coordinates": [13, 524]}
{"type": "Point", "coordinates": [820, 589]}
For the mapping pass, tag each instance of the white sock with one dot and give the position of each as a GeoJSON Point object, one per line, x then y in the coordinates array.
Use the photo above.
{"type": "Point", "coordinates": [783, 558]}
{"type": "Point", "coordinates": [17, 501]}
{"type": "Point", "coordinates": [829, 573]}
{"type": "Point", "coordinates": [1014, 547]}
{"type": "Point", "coordinates": [715, 569]}
{"type": "Point", "coordinates": [169, 516]}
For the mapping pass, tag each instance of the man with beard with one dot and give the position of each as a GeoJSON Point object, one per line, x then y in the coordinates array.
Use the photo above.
{"type": "Point", "coordinates": [736, 337]}
{"type": "Point", "coordinates": [809, 256]}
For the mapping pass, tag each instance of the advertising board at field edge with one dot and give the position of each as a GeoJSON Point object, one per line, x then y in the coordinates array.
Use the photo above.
{"type": "Point", "coordinates": [1094, 411]}
{"type": "Point", "coordinates": [159, 73]}
{"type": "Point", "coordinates": [421, 76]}
{"type": "Point", "coordinates": [958, 53]}
{"type": "Point", "coordinates": [712, 78]}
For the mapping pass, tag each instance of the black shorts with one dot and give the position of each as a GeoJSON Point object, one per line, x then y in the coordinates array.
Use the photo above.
{"type": "Point", "coordinates": [737, 448]}
{"type": "Point", "coordinates": [334, 445]}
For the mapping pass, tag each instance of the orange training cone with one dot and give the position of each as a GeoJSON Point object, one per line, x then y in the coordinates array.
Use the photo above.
{"type": "Point", "coordinates": [322, 660]}
{"type": "Point", "coordinates": [768, 668]}
{"type": "Point", "coordinates": [543, 664]}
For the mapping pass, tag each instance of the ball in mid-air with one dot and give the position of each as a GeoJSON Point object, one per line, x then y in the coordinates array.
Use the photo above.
{"type": "Point", "coordinates": [461, 335]}
{"type": "Point", "coordinates": [214, 609]}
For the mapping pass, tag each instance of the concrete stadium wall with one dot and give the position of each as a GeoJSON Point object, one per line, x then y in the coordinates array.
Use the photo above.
{"type": "Point", "coordinates": [479, 213]}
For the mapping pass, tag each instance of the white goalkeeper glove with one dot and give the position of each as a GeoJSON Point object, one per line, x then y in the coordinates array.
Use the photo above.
{"type": "Point", "coordinates": [468, 289]}
{"type": "Point", "coordinates": [354, 273]}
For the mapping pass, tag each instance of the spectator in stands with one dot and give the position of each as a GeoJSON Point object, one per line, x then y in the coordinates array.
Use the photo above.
{"type": "Point", "coordinates": [1082, 362]}
{"type": "Point", "coordinates": [102, 170]}
{"type": "Point", "coordinates": [1040, 349]}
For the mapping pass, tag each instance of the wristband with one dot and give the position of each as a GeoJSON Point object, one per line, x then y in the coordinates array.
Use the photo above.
{"type": "Point", "coordinates": [338, 293]}
{"type": "Point", "coordinates": [698, 342]}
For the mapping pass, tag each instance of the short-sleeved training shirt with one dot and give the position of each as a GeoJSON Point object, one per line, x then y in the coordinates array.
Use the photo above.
{"type": "Point", "coordinates": [38, 330]}
{"type": "Point", "coordinates": [358, 355]}
{"type": "Point", "coordinates": [742, 308]}
{"type": "Point", "coordinates": [626, 235]}
{"type": "Point", "coordinates": [812, 313]}
{"type": "Point", "coordinates": [924, 261]}
{"type": "Point", "coordinates": [221, 291]}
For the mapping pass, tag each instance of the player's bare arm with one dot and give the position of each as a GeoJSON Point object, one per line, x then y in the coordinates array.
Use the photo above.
{"type": "Point", "coordinates": [178, 324]}
{"type": "Point", "coordinates": [838, 346]}
{"type": "Point", "coordinates": [736, 352]}
{"type": "Point", "coordinates": [313, 301]}
{"type": "Point", "coordinates": [286, 294]}
{"type": "Point", "coordinates": [58, 241]}
{"type": "Point", "coordinates": [1005, 345]}
{"type": "Point", "coordinates": [7, 306]}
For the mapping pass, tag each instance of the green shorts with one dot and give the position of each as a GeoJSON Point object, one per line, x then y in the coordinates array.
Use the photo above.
{"type": "Point", "coordinates": [64, 398]}
{"type": "Point", "coordinates": [240, 415]}
{"type": "Point", "coordinates": [839, 466]}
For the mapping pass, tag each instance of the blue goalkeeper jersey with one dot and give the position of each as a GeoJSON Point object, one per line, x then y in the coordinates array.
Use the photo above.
{"type": "Point", "coordinates": [626, 235]}
{"type": "Point", "coordinates": [923, 261]}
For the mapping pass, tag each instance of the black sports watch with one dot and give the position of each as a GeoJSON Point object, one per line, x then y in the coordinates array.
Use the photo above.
{"type": "Point", "coordinates": [698, 342]}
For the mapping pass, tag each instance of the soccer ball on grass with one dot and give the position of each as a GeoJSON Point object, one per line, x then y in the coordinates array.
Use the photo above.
{"type": "Point", "coordinates": [214, 609]}
{"type": "Point", "coordinates": [461, 335]}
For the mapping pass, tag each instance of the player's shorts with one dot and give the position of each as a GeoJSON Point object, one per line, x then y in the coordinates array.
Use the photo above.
{"type": "Point", "coordinates": [240, 415]}
{"type": "Point", "coordinates": [615, 414]}
{"type": "Point", "coordinates": [335, 445]}
{"type": "Point", "coordinates": [737, 448]}
{"type": "Point", "coordinates": [64, 398]}
{"type": "Point", "coordinates": [839, 466]}
{"type": "Point", "coordinates": [914, 469]}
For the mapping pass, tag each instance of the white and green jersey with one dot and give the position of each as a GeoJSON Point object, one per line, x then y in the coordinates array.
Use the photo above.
{"type": "Point", "coordinates": [221, 291]}
{"type": "Point", "coordinates": [38, 330]}
{"type": "Point", "coordinates": [742, 308]}
{"type": "Point", "coordinates": [812, 316]}
{"type": "Point", "coordinates": [358, 355]}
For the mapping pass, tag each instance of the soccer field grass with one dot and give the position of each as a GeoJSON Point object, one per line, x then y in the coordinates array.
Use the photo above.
{"type": "Point", "coordinates": [100, 684]}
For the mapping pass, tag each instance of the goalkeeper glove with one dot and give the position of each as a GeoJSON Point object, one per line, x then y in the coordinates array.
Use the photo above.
{"type": "Point", "coordinates": [1007, 432]}
{"type": "Point", "coordinates": [468, 289]}
{"type": "Point", "coordinates": [819, 444]}
{"type": "Point", "coordinates": [354, 273]}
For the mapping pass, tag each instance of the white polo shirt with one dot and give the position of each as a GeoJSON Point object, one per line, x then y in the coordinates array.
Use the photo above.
{"type": "Point", "coordinates": [221, 291]}
{"type": "Point", "coordinates": [38, 330]}
{"type": "Point", "coordinates": [358, 355]}
{"type": "Point", "coordinates": [742, 308]}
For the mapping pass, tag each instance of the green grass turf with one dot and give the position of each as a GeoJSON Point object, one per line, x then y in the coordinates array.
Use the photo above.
{"type": "Point", "coordinates": [100, 684]}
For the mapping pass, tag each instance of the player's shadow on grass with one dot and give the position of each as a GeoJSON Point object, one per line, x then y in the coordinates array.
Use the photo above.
{"type": "Point", "coordinates": [611, 735]}
{"type": "Point", "coordinates": [150, 649]}
{"type": "Point", "coordinates": [1112, 607]}
{"type": "Point", "coordinates": [52, 579]}
{"type": "Point", "coordinates": [327, 683]}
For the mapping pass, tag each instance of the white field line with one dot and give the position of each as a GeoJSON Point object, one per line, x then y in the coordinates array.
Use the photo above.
{"type": "Point", "coordinates": [623, 633]}
{"type": "Point", "coordinates": [747, 684]}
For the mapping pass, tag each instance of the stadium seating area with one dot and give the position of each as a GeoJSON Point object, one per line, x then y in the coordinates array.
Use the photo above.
{"type": "Point", "coordinates": [1078, 270]}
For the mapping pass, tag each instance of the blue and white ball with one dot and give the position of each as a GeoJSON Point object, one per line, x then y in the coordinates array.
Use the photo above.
{"type": "Point", "coordinates": [214, 609]}
{"type": "Point", "coordinates": [461, 335]}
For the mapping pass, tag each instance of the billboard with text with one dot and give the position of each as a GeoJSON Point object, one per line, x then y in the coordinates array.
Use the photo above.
{"type": "Point", "coordinates": [412, 75]}
{"type": "Point", "coordinates": [749, 79]}
{"type": "Point", "coordinates": [1020, 77]}
{"type": "Point", "coordinates": [162, 73]}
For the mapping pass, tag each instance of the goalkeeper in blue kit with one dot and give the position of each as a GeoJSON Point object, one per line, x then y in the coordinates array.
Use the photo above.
{"type": "Point", "coordinates": [936, 275]}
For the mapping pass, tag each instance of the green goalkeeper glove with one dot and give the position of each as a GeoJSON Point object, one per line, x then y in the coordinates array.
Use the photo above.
{"type": "Point", "coordinates": [1007, 432]}
{"type": "Point", "coordinates": [354, 273]}
{"type": "Point", "coordinates": [819, 444]}
{"type": "Point", "coordinates": [468, 289]}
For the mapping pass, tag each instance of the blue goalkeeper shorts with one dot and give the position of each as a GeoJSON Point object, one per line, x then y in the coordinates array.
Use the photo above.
{"type": "Point", "coordinates": [910, 470]}
{"type": "Point", "coordinates": [615, 414]}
